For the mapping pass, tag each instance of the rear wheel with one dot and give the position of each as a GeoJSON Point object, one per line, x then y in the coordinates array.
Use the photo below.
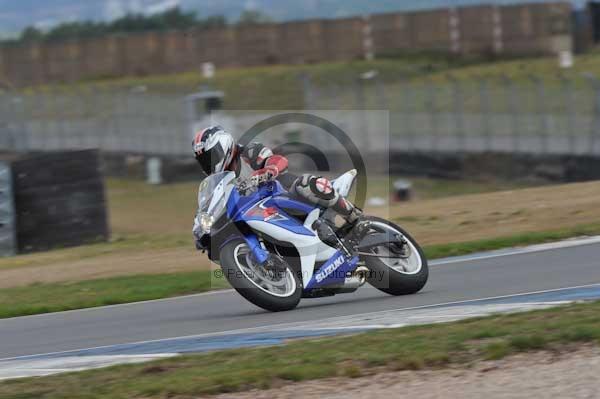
{"type": "Point", "coordinates": [393, 270]}
{"type": "Point", "coordinates": [274, 290]}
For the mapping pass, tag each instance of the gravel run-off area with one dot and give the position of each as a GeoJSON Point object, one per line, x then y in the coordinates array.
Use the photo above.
{"type": "Point", "coordinates": [568, 374]}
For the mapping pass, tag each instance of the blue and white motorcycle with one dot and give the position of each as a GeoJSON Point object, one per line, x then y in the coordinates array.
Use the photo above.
{"type": "Point", "coordinates": [274, 249]}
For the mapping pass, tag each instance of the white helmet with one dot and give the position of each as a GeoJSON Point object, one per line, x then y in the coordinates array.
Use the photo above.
{"type": "Point", "coordinates": [213, 148]}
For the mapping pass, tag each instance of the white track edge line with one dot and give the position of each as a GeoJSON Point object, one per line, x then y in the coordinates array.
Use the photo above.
{"type": "Point", "coordinates": [292, 324]}
{"type": "Point", "coordinates": [569, 243]}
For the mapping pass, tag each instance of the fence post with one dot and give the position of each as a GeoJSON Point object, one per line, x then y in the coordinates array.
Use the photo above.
{"type": "Point", "coordinates": [511, 100]}
{"type": "Point", "coordinates": [458, 100]}
{"type": "Point", "coordinates": [115, 123]}
{"type": "Point", "coordinates": [407, 112]}
{"type": "Point", "coordinates": [569, 98]}
{"type": "Point", "coordinates": [165, 131]}
{"type": "Point", "coordinates": [81, 131]}
{"type": "Point", "coordinates": [178, 122]}
{"type": "Point", "coordinates": [57, 123]}
{"type": "Point", "coordinates": [43, 114]}
{"type": "Point", "coordinates": [596, 118]}
{"type": "Point", "coordinates": [361, 103]}
{"type": "Point", "coordinates": [104, 117]}
{"type": "Point", "coordinates": [307, 88]}
{"type": "Point", "coordinates": [543, 127]}
{"type": "Point", "coordinates": [139, 119]}
{"type": "Point", "coordinates": [5, 138]}
{"type": "Point", "coordinates": [96, 130]}
{"type": "Point", "coordinates": [333, 99]}
{"type": "Point", "coordinates": [336, 103]}
{"type": "Point", "coordinates": [127, 121]}
{"type": "Point", "coordinates": [382, 100]}
{"type": "Point", "coordinates": [432, 110]}
{"type": "Point", "coordinates": [4, 122]}
{"type": "Point", "coordinates": [18, 112]}
{"type": "Point", "coordinates": [60, 97]}
{"type": "Point", "coordinates": [484, 103]}
{"type": "Point", "coordinates": [36, 125]}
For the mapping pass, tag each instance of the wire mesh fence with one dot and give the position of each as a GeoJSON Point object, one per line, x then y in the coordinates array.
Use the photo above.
{"type": "Point", "coordinates": [561, 115]}
{"type": "Point", "coordinates": [113, 120]}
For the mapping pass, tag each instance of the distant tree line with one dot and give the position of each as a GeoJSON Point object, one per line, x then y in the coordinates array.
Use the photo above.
{"type": "Point", "coordinates": [173, 19]}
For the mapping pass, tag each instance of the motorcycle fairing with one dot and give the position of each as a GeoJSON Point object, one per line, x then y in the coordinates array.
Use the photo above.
{"type": "Point", "coordinates": [261, 211]}
{"type": "Point", "coordinates": [333, 272]}
{"type": "Point", "coordinates": [268, 211]}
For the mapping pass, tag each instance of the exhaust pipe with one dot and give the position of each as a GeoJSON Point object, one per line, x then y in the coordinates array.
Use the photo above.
{"type": "Point", "coordinates": [352, 283]}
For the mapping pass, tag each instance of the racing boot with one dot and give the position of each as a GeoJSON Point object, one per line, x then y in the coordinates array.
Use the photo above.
{"type": "Point", "coordinates": [325, 232]}
{"type": "Point", "coordinates": [355, 227]}
{"type": "Point", "coordinates": [328, 235]}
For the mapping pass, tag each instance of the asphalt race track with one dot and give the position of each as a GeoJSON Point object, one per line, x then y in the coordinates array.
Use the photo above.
{"type": "Point", "coordinates": [556, 272]}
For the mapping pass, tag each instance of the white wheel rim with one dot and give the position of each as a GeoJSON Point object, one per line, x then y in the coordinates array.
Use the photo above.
{"type": "Point", "coordinates": [410, 265]}
{"type": "Point", "coordinates": [282, 288]}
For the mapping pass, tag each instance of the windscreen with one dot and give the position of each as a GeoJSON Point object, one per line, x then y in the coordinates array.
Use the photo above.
{"type": "Point", "coordinates": [212, 191]}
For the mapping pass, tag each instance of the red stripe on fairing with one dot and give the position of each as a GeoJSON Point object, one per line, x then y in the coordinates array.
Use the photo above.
{"type": "Point", "coordinates": [278, 161]}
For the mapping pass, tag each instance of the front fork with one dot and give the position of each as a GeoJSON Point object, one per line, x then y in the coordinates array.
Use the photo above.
{"type": "Point", "coordinates": [259, 254]}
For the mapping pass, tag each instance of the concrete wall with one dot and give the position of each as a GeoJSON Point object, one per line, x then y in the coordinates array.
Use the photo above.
{"type": "Point", "coordinates": [508, 30]}
{"type": "Point", "coordinates": [503, 166]}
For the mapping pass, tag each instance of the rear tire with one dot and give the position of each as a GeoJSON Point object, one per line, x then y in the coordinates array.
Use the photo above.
{"type": "Point", "coordinates": [390, 280]}
{"type": "Point", "coordinates": [239, 278]}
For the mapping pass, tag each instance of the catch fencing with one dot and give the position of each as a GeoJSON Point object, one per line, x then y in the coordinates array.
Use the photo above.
{"type": "Point", "coordinates": [113, 120]}
{"type": "Point", "coordinates": [525, 115]}
{"type": "Point", "coordinates": [559, 116]}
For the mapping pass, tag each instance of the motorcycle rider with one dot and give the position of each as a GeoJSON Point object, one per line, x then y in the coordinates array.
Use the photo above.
{"type": "Point", "coordinates": [216, 151]}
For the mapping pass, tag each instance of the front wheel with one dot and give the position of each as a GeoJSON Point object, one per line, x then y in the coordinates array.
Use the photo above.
{"type": "Point", "coordinates": [271, 290]}
{"type": "Point", "coordinates": [396, 271]}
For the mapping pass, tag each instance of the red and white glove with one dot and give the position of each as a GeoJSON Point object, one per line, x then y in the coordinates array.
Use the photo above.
{"type": "Point", "coordinates": [266, 174]}
{"type": "Point", "coordinates": [275, 165]}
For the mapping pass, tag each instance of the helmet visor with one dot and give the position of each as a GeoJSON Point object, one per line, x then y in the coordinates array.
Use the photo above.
{"type": "Point", "coordinates": [210, 159]}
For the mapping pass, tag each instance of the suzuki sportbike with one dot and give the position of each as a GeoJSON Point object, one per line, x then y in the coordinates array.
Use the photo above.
{"type": "Point", "coordinates": [275, 249]}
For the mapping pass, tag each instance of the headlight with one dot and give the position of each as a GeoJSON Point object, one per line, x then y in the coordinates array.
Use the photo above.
{"type": "Point", "coordinates": [206, 222]}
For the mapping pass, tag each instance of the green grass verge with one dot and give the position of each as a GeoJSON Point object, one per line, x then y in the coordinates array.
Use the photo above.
{"type": "Point", "coordinates": [46, 298]}
{"type": "Point", "coordinates": [431, 346]}
{"type": "Point", "coordinates": [278, 86]}
{"type": "Point", "coordinates": [523, 239]}
{"type": "Point", "coordinates": [118, 244]}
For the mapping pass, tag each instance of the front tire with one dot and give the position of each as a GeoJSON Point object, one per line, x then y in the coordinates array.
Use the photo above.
{"type": "Point", "coordinates": [390, 275]}
{"type": "Point", "coordinates": [274, 292]}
